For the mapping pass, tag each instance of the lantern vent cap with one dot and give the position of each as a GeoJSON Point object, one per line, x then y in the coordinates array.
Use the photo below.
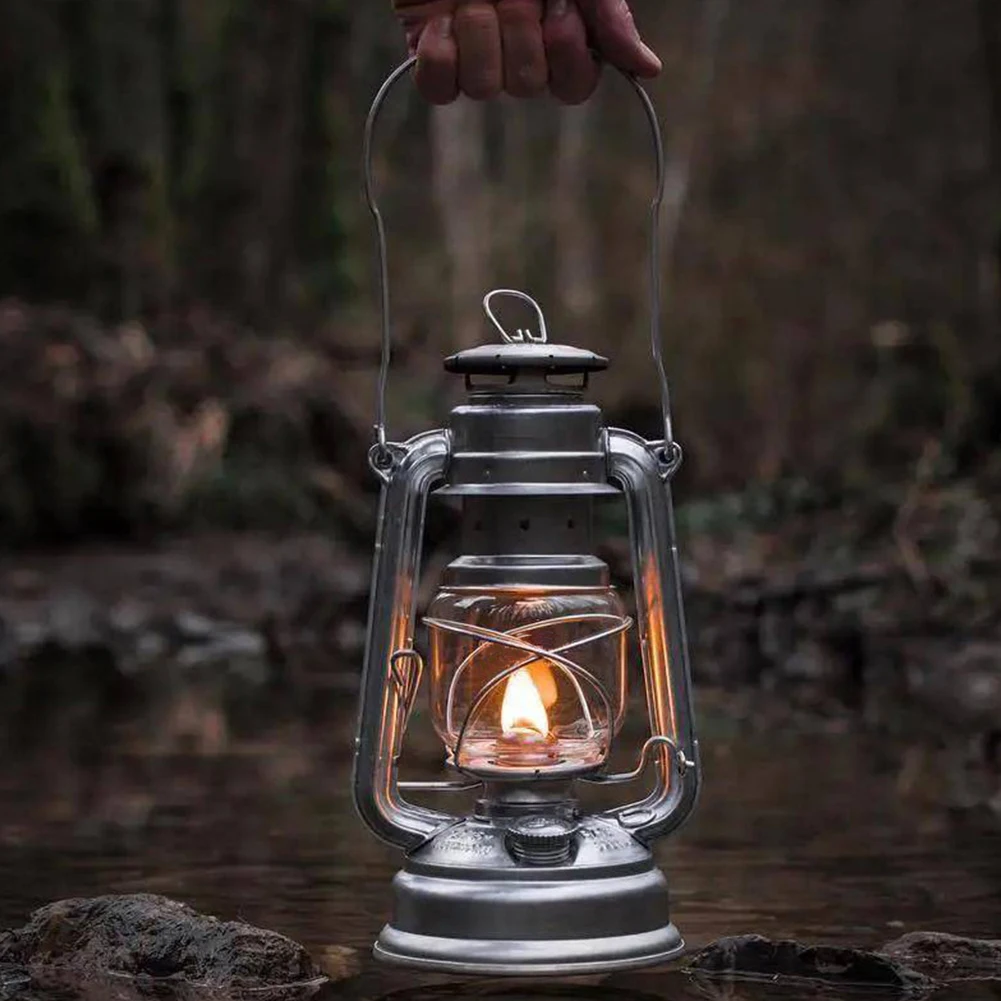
{"type": "Point", "coordinates": [512, 359]}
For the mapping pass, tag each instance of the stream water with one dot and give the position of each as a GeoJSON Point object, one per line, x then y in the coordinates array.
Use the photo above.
{"type": "Point", "coordinates": [800, 833]}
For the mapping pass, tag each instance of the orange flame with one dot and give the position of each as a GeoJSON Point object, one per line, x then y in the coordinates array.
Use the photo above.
{"type": "Point", "coordinates": [523, 709]}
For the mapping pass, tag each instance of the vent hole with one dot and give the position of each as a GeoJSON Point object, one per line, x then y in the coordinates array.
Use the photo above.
{"type": "Point", "coordinates": [570, 523]}
{"type": "Point", "coordinates": [525, 523]}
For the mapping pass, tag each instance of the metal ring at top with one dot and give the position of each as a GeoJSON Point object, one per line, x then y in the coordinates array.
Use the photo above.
{"type": "Point", "coordinates": [654, 277]}
{"type": "Point", "coordinates": [523, 334]}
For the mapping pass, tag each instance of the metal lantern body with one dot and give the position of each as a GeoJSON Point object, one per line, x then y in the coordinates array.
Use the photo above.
{"type": "Point", "coordinates": [526, 674]}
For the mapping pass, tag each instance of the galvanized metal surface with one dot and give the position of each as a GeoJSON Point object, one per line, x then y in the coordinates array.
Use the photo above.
{"type": "Point", "coordinates": [395, 572]}
{"type": "Point", "coordinates": [472, 898]}
{"type": "Point", "coordinates": [465, 903]}
{"type": "Point", "coordinates": [662, 632]}
{"type": "Point", "coordinates": [556, 570]}
{"type": "Point", "coordinates": [527, 442]}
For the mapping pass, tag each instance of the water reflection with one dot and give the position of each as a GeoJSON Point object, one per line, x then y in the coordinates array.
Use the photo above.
{"type": "Point", "coordinates": [800, 833]}
{"type": "Point", "coordinates": [663, 985]}
{"type": "Point", "coordinates": [519, 992]}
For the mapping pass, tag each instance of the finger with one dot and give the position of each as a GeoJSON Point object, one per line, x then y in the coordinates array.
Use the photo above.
{"type": "Point", "coordinates": [477, 32]}
{"type": "Point", "coordinates": [525, 70]}
{"type": "Point", "coordinates": [415, 15]}
{"type": "Point", "coordinates": [614, 33]}
{"type": "Point", "coordinates": [437, 62]}
{"type": "Point", "coordinates": [573, 71]}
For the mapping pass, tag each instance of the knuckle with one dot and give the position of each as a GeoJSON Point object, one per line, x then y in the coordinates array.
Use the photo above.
{"type": "Point", "coordinates": [477, 16]}
{"type": "Point", "coordinates": [434, 59]}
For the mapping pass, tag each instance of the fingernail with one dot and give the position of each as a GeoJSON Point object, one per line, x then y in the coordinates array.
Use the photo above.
{"type": "Point", "coordinates": [559, 8]}
{"type": "Point", "coordinates": [445, 26]}
{"type": "Point", "coordinates": [651, 55]}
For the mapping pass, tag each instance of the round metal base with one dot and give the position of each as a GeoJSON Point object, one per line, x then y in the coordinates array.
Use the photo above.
{"type": "Point", "coordinates": [506, 957]}
{"type": "Point", "coordinates": [463, 905]}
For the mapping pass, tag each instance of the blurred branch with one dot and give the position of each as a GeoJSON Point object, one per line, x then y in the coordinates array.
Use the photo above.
{"type": "Point", "coordinates": [576, 268]}
{"type": "Point", "coordinates": [990, 41]}
{"type": "Point", "coordinates": [907, 545]}
{"type": "Point", "coordinates": [679, 163]}
{"type": "Point", "coordinates": [459, 168]}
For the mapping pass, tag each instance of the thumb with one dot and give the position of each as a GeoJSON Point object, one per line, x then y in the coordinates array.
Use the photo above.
{"type": "Point", "coordinates": [613, 33]}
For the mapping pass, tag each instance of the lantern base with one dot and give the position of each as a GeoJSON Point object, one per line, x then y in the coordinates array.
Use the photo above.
{"type": "Point", "coordinates": [507, 957]}
{"type": "Point", "coordinates": [464, 905]}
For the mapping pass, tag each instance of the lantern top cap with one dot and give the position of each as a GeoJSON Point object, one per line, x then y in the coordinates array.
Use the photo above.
{"type": "Point", "coordinates": [510, 359]}
{"type": "Point", "coordinates": [525, 347]}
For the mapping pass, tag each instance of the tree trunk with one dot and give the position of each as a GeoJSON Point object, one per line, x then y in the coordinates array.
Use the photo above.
{"type": "Point", "coordinates": [576, 274]}
{"type": "Point", "coordinates": [990, 37]}
{"type": "Point", "coordinates": [460, 188]}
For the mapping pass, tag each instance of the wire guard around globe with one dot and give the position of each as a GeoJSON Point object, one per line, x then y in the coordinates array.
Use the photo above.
{"type": "Point", "coordinates": [579, 680]}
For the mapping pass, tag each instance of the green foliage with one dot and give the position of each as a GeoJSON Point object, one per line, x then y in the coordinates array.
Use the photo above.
{"type": "Point", "coordinates": [158, 152]}
{"type": "Point", "coordinates": [47, 212]}
{"type": "Point", "coordinates": [831, 298]}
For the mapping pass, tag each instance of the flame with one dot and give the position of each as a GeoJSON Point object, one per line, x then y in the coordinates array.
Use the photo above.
{"type": "Point", "coordinates": [523, 708]}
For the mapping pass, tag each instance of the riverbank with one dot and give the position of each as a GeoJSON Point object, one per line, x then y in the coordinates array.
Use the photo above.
{"type": "Point", "coordinates": [146, 945]}
{"type": "Point", "coordinates": [217, 634]}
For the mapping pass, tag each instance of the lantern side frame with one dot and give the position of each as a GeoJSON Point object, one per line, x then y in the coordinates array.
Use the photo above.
{"type": "Point", "coordinates": [644, 477]}
{"type": "Point", "coordinates": [417, 467]}
{"type": "Point", "coordinates": [644, 470]}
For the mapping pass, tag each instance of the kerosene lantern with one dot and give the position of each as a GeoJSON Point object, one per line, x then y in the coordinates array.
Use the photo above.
{"type": "Point", "coordinates": [526, 664]}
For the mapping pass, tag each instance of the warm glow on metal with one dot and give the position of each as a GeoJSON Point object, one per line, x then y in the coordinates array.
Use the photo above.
{"type": "Point", "coordinates": [523, 708]}
{"type": "Point", "coordinates": [527, 651]}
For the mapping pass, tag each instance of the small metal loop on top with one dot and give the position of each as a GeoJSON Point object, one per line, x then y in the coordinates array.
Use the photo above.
{"type": "Point", "coordinates": [523, 335]}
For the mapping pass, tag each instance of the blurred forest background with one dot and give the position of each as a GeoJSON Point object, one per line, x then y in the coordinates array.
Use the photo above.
{"type": "Point", "coordinates": [188, 352]}
{"type": "Point", "coordinates": [188, 338]}
{"type": "Point", "coordinates": [186, 262]}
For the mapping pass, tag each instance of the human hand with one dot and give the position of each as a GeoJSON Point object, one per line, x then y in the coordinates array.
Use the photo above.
{"type": "Point", "coordinates": [522, 47]}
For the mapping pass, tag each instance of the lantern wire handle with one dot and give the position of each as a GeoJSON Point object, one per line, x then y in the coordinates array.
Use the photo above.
{"type": "Point", "coordinates": [382, 456]}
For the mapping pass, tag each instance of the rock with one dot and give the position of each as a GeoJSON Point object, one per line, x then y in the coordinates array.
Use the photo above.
{"type": "Point", "coordinates": [149, 936]}
{"type": "Point", "coordinates": [74, 621]}
{"type": "Point", "coordinates": [191, 626]}
{"type": "Point", "coordinates": [63, 986]}
{"type": "Point", "coordinates": [756, 956]}
{"type": "Point", "coordinates": [128, 617]}
{"type": "Point", "coordinates": [244, 651]}
{"type": "Point", "coordinates": [13, 984]}
{"type": "Point", "coordinates": [947, 957]}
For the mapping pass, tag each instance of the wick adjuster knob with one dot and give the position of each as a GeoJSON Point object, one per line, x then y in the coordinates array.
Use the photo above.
{"type": "Point", "coordinates": [541, 840]}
